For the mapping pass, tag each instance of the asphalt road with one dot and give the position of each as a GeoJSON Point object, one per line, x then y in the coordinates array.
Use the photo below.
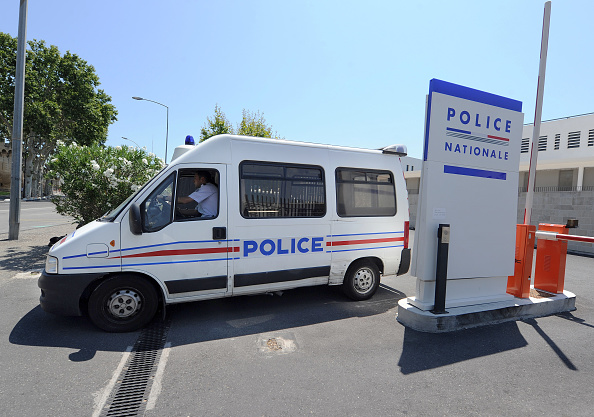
{"type": "Point", "coordinates": [341, 358]}
{"type": "Point", "coordinates": [34, 215]}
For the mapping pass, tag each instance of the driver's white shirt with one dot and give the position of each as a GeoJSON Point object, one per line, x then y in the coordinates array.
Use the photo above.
{"type": "Point", "coordinates": [207, 199]}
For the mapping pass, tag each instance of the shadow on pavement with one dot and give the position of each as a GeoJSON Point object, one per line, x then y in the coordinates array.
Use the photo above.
{"type": "Point", "coordinates": [423, 351]}
{"type": "Point", "coordinates": [13, 259]}
{"type": "Point", "coordinates": [252, 315]}
{"type": "Point", "coordinates": [551, 343]}
{"type": "Point", "coordinates": [38, 328]}
{"type": "Point", "coordinates": [568, 316]}
{"type": "Point", "coordinates": [206, 320]}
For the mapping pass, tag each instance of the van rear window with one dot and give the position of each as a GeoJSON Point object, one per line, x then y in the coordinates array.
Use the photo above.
{"type": "Point", "coordinates": [365, 193]}
{"type": "Point", "coordinates": [273, 190]}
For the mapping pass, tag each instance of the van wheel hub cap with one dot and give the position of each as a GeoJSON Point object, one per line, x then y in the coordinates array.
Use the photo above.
{"type": "Point", "coordinates": [363, 280]}
{"type": "Point", "coordinates": [124, 303]}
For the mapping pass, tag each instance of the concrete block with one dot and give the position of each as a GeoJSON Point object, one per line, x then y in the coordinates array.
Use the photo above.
{"type": "Point", "coordinates": [459, 318]}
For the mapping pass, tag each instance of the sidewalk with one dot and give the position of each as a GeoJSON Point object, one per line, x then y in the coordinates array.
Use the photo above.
{"type": "Point", "coordinates": [29, 251]}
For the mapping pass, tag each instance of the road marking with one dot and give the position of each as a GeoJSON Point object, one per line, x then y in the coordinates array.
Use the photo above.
{"type": "Point", "coordinates": [157, 386]}
{"type": "Point", "coordinates": [102, 396]}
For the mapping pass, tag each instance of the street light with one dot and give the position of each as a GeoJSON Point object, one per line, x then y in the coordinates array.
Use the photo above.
{"type": "Point", "coordinates": [131, 141]}
{"type": "Point", "coordinates": [167, 132]}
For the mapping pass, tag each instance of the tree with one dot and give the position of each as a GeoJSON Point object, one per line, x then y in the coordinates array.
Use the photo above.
{"type": "Point", "coordinates": [96, 179]}
{"type": "Point", "coordinates": [218, 125]}
{"type": "Point", "coordinates": [252, 124]}
{"type": "Point", "coordinates": [62, 102]}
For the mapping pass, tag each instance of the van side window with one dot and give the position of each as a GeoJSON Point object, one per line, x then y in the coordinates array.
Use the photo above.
{"type": "Point", "coordinates": [195, 200]}
{"type": "Point", "coordinates": [156, 210]}
{"type": "Point", "coordinates": [364, 193]}
{"type": "Point", "coordinates": [273, 190]}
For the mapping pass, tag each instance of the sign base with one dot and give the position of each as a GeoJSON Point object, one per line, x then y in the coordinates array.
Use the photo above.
{"type": "Point", "coordinates": [459, 318]}
{"type": "Point", "coordinates": [462, 292]}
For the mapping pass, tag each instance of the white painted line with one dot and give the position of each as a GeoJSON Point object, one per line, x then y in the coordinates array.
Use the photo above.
{"type": "Point", "coordinates": [102, 396]}
{"type": "Point", "coordinates": [157, 386]}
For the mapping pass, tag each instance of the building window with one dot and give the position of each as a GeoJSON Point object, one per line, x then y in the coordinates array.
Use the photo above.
{"type": "Point", "coordinates": [565, 180]}
{"type": "Point", "coordinates": [573, 140]}
{"type": "Point", "coordinates": [273, 190]}
{"type": "Point", "coordinates": [542, 143]}
{"type": "Point", "coordinates": [591, 137]}
{"type": "Point", "coordinates": [364, 193]}
{"type": "Point", "coordinates": [525, 145]}
{"type": "Point", "coordinates": [557, 141]}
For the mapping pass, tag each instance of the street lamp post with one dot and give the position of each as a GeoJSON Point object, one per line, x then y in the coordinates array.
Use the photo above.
{"type": "Point", "coordinates": [130, 140]}
{"type": "Point", "coordinates": [167, 131]}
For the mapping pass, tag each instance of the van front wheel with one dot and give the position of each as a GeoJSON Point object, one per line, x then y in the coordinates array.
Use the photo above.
{"type": "Point", "coordinates": [122, 304]}
{"type": "Point", "coordinates": [361, 280]}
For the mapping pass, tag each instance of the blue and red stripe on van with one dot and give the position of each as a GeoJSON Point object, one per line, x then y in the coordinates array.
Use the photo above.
{"type": "Point", "coordinates": [334, 244]}
{"type": "Point", "coordinates": [365, 241]}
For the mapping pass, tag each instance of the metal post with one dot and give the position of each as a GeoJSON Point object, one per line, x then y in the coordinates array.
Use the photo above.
{"type": "Point", "coordinates": [14, 217]}
{"type": "Point", "coordinates": [167, 134]}
{"type": "Point", "coordinates": [441, 272]}
{"type": "Point", "coordinates": [167, 131]}
{"type": "Point", "coordinates": [544, 44]}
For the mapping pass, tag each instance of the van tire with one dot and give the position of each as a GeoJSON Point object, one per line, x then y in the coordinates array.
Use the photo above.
{"type": "Point", "coordinates": [361, 280]}
{"type": "Point", "coordinates": [123, 303]}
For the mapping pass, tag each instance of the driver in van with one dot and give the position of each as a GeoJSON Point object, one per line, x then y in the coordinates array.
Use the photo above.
{"type": "Point", "coordinates": [206, 195]}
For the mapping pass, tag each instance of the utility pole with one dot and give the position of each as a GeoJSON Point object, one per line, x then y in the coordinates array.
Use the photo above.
{"type": "Point", "coordinates": [14, 217]}
{"type": "Point", "coordinates": [544, 46]}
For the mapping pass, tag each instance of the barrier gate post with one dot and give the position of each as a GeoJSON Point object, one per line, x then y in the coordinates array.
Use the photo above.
{"type": "Point", "coordinates": [551, 256]}
{"type": "Point", "coordinates": [518, 284]}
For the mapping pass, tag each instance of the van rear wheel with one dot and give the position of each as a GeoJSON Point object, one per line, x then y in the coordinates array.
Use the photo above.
{"type": "Point", "coordinates": [122, 304]}
{"type": "Point", "coordinates": [361, 280]}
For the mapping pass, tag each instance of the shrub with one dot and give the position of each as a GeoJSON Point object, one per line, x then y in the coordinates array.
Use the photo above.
{"type": "Point", "coordinates": [95, 179]}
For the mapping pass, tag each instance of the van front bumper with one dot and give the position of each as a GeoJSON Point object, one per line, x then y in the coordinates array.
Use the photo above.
{"type": "Point", "coordinates": [61, 293]}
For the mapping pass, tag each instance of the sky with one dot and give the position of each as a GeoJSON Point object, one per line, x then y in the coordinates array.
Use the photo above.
{"type": "Point", "coordinates": [350, 73]}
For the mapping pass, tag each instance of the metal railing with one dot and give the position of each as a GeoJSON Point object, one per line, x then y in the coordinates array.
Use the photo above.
{"type": "Point", "coordinates": [557, 189]}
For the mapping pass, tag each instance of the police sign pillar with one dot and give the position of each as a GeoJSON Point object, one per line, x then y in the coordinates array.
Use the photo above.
{"type": "Point", "coordinates": [469, 180]}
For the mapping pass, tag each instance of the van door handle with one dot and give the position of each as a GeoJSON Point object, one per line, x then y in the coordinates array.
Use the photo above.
{"type": "Point", "coordinates": [219, 233]}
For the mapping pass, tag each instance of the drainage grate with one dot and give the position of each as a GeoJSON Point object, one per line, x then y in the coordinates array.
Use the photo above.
{"type": "Point", "coordinates": [130, 393]}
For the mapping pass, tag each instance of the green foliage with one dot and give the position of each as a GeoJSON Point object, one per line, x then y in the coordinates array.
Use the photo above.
{"type": "Point", "coordinates": [252, 124]}
{"type": "Point", "coordinates": [62, 102]}
{"type": "Point", "coordinates": [62, 98]}
{"type": "Point", "coordinates": [218, 125]}
{"type": "Point", "coordinates": [96, 179]}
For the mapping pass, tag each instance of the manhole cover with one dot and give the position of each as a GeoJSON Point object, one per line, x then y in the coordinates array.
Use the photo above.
{"type": "Point", "coordinates": [277, 344]}
{"type": "Point", "coordinates": [273, 344]}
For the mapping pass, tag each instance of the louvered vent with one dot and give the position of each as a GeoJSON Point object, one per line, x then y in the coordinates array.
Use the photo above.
{"type": "Point", "coordinates": [573, 140]}
{"type": "Point", "coordinates": [525, 145]}
{"type": "Point", "coordinates": [557, 141]}
{"type": "Point", "coordinates": [542, 143]}
{"type": "Point", "coordinates": [591, 137]}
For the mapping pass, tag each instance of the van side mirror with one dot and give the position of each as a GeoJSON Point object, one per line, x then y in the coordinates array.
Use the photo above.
{"type": "Point", "coordinates": [135, 220]}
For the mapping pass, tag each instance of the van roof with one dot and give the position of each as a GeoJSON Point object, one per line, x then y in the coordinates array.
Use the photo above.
{"type": "Point", "coordinates": [225, 140]}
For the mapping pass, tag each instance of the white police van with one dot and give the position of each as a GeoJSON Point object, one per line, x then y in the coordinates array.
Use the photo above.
{"type": "Point", "coordinates": [290, 214]}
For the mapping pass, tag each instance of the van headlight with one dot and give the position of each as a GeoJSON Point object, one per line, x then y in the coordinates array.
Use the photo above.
{"type": "Point", "coordinates": [51, 264]}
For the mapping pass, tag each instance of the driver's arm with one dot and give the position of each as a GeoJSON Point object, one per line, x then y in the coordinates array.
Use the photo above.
{"type": "Point", "coordinates": [184, 200]}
